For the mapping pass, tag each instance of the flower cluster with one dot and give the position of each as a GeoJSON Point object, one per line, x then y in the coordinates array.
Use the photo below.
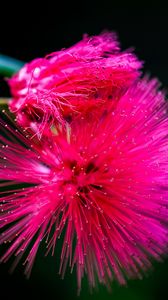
{"type": "Point", "coordinates": [90, 144]}
{"type": "Point", "coordinates": [72, 83]}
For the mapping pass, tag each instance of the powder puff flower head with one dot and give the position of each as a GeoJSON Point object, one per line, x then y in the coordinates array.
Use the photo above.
{"type": "Point", "coordinates": [73, 82]}
{"type": "Point", "coordinates": [97, 178]}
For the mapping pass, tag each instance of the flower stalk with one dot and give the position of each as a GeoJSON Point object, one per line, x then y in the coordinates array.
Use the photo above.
{"type": "Point", "coordinates": [4, 101]}
{"type": "Point", "coordinates": [9, 66]}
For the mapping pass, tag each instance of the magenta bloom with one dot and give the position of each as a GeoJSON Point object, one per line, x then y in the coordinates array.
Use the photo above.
{"type": "Point", "coordinates": [104, 182]}
{"type": "Point", "coordinates": [72, 82]}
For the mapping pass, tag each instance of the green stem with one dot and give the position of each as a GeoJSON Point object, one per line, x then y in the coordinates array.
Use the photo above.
{"type": "Point", "coordinates": [9, 66]}
{"type": "Point", "coordinates": [4, 101]}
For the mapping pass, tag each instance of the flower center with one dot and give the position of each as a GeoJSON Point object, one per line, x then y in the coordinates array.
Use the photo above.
{"type": "Point", "coordinates": [77, 180]}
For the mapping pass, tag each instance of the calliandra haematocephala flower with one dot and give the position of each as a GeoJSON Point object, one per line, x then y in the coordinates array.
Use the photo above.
{"type": "Point", "coordinates": [72, 82]}
{"type": "Point", "coordinates": [102, 185]}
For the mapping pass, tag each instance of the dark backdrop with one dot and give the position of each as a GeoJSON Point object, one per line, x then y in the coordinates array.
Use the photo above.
{"type": "Point", "coordinates": [27, 33]}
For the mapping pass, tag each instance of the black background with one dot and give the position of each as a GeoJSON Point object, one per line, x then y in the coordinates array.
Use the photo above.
{"type": "Point", "coordinates": [28, 32]}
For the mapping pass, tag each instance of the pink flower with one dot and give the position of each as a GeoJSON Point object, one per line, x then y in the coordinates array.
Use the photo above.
{"type": "Point", "coordinates": [104, 182]}
{"type": "Point", "coordinates": [72, 82]}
